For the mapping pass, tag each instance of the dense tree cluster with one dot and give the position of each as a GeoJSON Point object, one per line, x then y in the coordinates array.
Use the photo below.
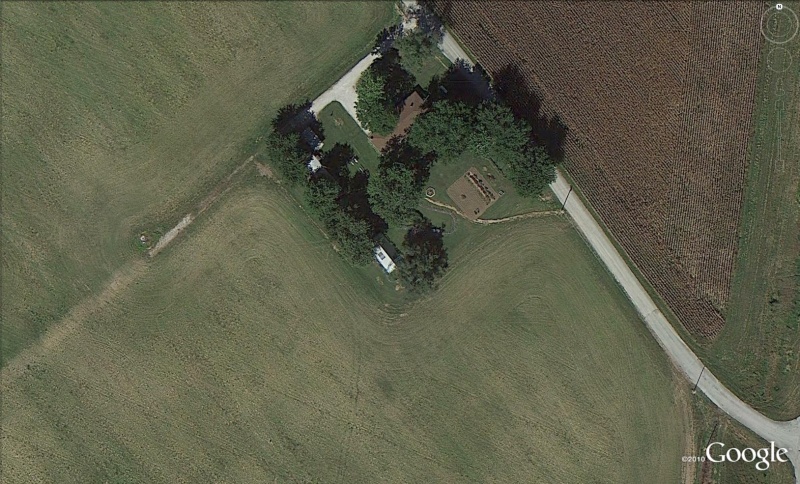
{"type": "Point", "coordinates": [287, 155]}
{"type": "Point", "coordinates": [373, 107]}
{"type": "Point", "coordinates": [353, 235]}
{"type": "Point", "coordinates": [445, 130]}
{"type": "Point", "coordinates": [416, 47]}
{"type": "Point", "coordinates": [398, 187]}
{"type": "Point", "coordinates": [381, 90]}
{"type": "Point", "coordinates": [489, 130]}
{"type": "Point", "coordinates": [424, 256]}
{"type": "Point", "coordinates": [463, 114]}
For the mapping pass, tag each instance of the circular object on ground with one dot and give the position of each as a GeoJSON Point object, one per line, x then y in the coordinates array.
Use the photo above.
{"type": "Point", "coordinates": [779, 25]}
{"type": "Point", "coordinates": [430, 192]}
{"type": "Point", "coordinates": [779, 59]}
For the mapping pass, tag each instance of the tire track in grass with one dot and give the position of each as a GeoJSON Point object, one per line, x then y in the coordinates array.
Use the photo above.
{"type": "Point", "coordinates": [72, 322]}
{"type": "Point", "coordinates": [489, 221]}
{"type": "Point", "coordinates": [209, 200]}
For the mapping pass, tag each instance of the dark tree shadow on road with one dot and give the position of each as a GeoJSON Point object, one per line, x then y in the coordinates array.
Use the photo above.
{"type": "Point", "coordinates": [461, 83]}
{"type": "Point", "coordinates": [548, 132]}
{"type": "Point", "coordinates": [295, 118]}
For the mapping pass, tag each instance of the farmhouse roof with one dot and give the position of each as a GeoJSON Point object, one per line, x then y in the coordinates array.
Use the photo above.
{"type": "Point", "coordinates": [412, 106]}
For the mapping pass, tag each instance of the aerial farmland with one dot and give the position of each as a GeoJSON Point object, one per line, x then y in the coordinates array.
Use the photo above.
{"type": "Point", "coordinates": [454, 241]}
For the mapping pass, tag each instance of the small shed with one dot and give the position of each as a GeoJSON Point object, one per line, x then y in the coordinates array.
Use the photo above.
{"type": "Point", "coordinates": [384, 260]}
{"type": "Point", "coordinates": [314, 163]}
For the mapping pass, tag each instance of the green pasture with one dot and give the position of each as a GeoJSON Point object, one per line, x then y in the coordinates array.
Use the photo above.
{"type": "Point", "coordinates": [251, 352]}
{"type": "Point", "coordinates": [119, 117]}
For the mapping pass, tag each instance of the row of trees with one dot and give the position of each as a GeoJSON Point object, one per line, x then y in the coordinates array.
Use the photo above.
{"type": "Point", "coordinates": [489, 130]}
{"type": "Point", "coordinates": [354, 209]}
{"type": "Point", "coordinates": [353, 235]}
{"type": "Point", "coordinates": [395, 192]}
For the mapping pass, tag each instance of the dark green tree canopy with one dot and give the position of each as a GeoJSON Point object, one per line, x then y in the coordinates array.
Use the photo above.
{"type": "Point", "coordinates": [398, 187]}
{"type": "Point", "coordinates": [444, 130]}
{"type": "Point", "coordinates": [424, 256]}
{"type": "Point", "coordinates": [353, 235]}
{"type": "Point", "coordinates": [286, 154]}
{"type": "Point", "coordinates": [533, 172]}
{"type": "Point", "coordinates": [416, 47]}
{"type": "Point", "coordinates": [381, 90]}
{"type": "Point", "coordinates": [371, 106]}
{"type": "Point", "coordinates": [497, 134]}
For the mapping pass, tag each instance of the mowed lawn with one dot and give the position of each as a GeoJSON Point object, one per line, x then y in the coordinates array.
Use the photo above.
{"type": "Point", "coordinates": [250, 352]}
{"type": "Point", "coordinates": [118, 117]}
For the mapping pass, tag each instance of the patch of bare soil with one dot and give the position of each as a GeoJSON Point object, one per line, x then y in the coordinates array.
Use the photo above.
{"type": "Point", "coordinates": [212, 197]}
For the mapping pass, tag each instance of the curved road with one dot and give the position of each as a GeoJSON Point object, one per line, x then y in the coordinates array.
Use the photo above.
{"type": "Point", "coordinates": [784, 434]}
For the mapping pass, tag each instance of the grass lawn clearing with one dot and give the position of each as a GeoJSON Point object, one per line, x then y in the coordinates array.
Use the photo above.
{"type": "Point", "coordinates": [508, 204]}
{"type": "Point", "coordinates": [340, 127]}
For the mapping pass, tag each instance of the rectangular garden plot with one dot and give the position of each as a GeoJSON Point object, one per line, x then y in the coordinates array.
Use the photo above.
{"type": "Point", "coordinates": [472, 194]}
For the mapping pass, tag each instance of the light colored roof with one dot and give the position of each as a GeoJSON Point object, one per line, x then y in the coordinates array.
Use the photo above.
{"type": "Point", "coordinates": [383, 258]}
{"type": "Point", "coordinates": [314, 163]}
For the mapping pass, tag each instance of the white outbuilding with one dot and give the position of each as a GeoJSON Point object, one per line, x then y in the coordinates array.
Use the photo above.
{"type": "Point", "coordinates": [314, 163]}
{"type": "Point", "coordinates": [384, 260]}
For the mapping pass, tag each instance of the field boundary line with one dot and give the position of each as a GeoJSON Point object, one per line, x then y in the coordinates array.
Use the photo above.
{"type": "Point", "coordinates": [490, 221]}
{"type": "Point", "coordinates": [55, 335]}
{"type": "Point", "coordinates": [209, 200]}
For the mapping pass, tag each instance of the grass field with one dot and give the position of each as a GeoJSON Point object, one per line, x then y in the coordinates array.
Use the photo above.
{"type": "Point", "coordinates": [119, 117]}
{"type": "Point", "coordinates": [758, 352]}
{"type": "Point", "coordinates": [340, 127]}
{"type": "Point", "coordinates": [251, 352]}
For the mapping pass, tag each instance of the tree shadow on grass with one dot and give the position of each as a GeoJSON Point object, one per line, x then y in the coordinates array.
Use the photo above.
{"type": "Point", "coordinates": [337, 162]}
{"type": "Point", "coordinates": [355, 200]}
{"type": "Point", "coordinates": [548, 132]}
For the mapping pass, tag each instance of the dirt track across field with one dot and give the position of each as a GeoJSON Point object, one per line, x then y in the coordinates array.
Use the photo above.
{"type": "Point", "coordinates": [489, 221]}
{"type": "Point", "coordinates": [212, 197]}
